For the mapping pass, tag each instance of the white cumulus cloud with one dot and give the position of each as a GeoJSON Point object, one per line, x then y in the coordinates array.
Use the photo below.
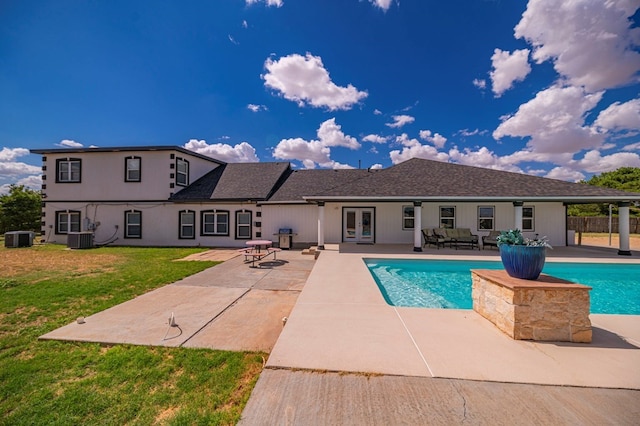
{"type": "Point", "coordinates": [304, 80]}
{"type": "Point", "coordinates": [584, 39]}
{"type": "Point", "coordinates": [317, 151]}
{"type": "Point", "coordinates": [436, 139]}
{"type": "Point", "coordinates": [10, 154]}
{"type": "Point", "coordinates": [400, 120]}
{"type": "Point", "coordinates": [382, 4]}
{"type": "Point", "coordinates": [17, 168]}
{"type": "Point", "coordinates": [565, 173]}
{"type": "Point", "coordinates": [594, 162]}
{"type": "Point", "coordinates": [240, 153]}
{"type": "Point", "coordinates": [555, 121]}
{"type": "Point", "coordinates": [620, 116]}
{"type": "Point", "coordinates": [257, 108]}
{"type": "Point", "coordinates": [375, 138]}
{"type": "Point", "coordinates": [480, 83]}
{"type": "Point", "coordinates": [276, 3]}
{"type": "Point", "coordinates": [412, 148]}
{"type": "Point", "coordinates": [67, 143]}
{"type": "Point", "coordinates": [331, 134]}
{"type": "Point", "coordinates": [508, 68]}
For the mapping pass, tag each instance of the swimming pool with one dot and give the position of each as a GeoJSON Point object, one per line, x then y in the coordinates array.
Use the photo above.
{"type": "Point", "coordinates": [447, 283]}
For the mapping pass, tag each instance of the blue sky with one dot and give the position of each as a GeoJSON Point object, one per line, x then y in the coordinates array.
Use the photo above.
{"type": "Point", "coordinates": [545, 87]}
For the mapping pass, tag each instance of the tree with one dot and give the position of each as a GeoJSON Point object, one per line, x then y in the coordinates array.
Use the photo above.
{"type": "Point", "coordinates": [624, 179]}
{"type": "Point", "coordinates": [20, 209]}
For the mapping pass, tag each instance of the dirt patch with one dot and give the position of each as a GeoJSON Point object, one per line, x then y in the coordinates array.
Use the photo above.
{"type": "Point", "coordinates": [602, 240]}
{"type": "Point", "coordinates": [37, 259]}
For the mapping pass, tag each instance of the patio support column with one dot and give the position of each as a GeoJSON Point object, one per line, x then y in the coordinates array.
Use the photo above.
{"type": "Point", "coordinates": [623, 228]}
{"type": "Point", "coordinates": [320, 225]}
{"type": "Point", "coordinates": [417, 226]}
{"type": "Point", "coordinates": [517, 222]}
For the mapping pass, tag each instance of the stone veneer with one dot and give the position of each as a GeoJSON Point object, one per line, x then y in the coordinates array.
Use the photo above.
{"type": "Point", "coordinates": [547, 309]}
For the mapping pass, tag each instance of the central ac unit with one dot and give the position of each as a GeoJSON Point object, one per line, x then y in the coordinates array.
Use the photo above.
{"type": "Point", "coordinates": [18, 239]}
{"type": "Point", "coordinates": [80, 240]}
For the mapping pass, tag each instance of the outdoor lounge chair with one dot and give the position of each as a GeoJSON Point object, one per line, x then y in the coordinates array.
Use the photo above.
{"type": "Point", "coordinates": [490, 240]}
{"type": "Point", "coordinates": [430, 237]}
{"type": "Point", "coordinates": [462, 237]}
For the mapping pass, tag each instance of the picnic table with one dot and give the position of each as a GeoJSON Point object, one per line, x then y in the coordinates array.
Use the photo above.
{"type": "Point", "coordinates": [258, 250]}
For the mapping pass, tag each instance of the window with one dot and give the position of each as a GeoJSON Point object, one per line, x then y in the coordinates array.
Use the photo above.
{"type": "Point", "coordinates": [447, 217]}
{"type": "Point", "coordinates": [133, 224]}
{"type": "Point", "coordinates": [132, 171]}
{"type": "Point", "coordinates": [182, 172]}
{"type": "Point", "coordinates": [67, 221]}
{"type": "Point", "coordinates": [486, 216]}
{"type": "Point", "coordinates": [187, 224]}
{"type": "Point", "coordinates": [528, 219]}
{"type": "Point", "coordinates": [407, 217]}
{"type": "Point", "coordinates": [68, 170]}
{"type": "Point", "coordinates": [243, 225]}
{"type": "Point", "coordinates": [214, 222]}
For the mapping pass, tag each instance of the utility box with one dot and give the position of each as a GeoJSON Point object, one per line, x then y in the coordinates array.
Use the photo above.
{"type": "Point", "coordinates": [18, 239]}
{"type": "Point", "coordinates": [80, 240]}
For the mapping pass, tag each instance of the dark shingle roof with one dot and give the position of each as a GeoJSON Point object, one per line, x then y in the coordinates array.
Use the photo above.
{"type": "Point", "coordinates": [301, 183]}
{"type": "Point", "coordinates": [428, 179]}
{"type": "Point", "coordinates": [235, 182]}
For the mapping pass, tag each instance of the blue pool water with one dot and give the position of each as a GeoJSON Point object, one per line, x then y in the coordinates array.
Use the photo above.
{"type": "Point", "coordinates": [447, 283]}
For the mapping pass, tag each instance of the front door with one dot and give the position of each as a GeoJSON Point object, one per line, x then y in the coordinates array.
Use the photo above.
{"type": "Point", "coordinates": [358, 224]}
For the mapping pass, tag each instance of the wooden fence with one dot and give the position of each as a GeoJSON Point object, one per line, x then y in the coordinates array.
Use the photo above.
{"type": "Point", "coordinates": [600, 224]}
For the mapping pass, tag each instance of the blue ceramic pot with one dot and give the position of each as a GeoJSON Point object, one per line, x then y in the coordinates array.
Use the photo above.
{"type": "Point", "coordinates": [523, 262]}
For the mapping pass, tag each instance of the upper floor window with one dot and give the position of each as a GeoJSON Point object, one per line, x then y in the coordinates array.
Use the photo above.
{"type": "Point", "coordinates": [243, 225]}
{"type": "Point", "coordinates": [214, 222]}
{"type": "Point", "coordinates": [528, 219]}
{"type": "Point", "coordinates": [133, 224]}
{"type": "Point", "coordinates": [67, 221]}
{"type": "Point", "coordinates": [182, 172]}
{"type": "Point", "coordinates": [132, 170]}
{"type": "Point", "coordinates": [447, 217]}
{"type": "Point", "coordinates": [407, 217]}
{"type": "Point", "coordinates": [486, 216]}
{"type": "Point", "coordinates": [187, 224]}
{"type": "Point", "coordinates": [68, 170]}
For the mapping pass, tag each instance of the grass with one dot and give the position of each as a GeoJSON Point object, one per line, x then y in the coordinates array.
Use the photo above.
{"type": "Point", "coordinates": [49, 382]}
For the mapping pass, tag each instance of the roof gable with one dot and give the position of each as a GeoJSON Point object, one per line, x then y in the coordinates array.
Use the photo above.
{"type": "Point", "coordinates": [309, 182]}
{"type": "Point", "coordinates": [235, 182]}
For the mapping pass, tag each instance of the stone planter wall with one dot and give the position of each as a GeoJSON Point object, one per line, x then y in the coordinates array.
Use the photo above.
{"type": "Point", "coordinates": [546, 309]}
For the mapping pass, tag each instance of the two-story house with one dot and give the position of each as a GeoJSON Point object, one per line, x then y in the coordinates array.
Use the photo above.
{"type": "Point", "coordinates": [169, 196]}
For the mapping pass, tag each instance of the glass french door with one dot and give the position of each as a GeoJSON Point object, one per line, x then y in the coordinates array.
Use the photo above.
{"type": "Point", "coordinates": [358, 224]}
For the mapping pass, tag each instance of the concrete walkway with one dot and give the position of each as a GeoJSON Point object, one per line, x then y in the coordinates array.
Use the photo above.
{"type": "Point", "coordinates": [229, 307]}
{"type": "Point", "coordinates": [429, 366]}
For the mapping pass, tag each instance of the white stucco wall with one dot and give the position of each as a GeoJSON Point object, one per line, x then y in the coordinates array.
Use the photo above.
{"type": "Point", "coordinates": [549, 220]}
{"type": "Point", "coordinates": [301, 218]}
{"type": "Point", "coordinates": [160, 221]}
{"type": "Point", "coordinates": [102, 176]}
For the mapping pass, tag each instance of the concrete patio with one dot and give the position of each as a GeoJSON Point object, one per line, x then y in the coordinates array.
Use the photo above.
{"type": "Point", "coordinates": [341, 322]}
{"type": "Point", "coordinates": [346, 356]}
{"type": "Point", "coordinates": [229, 307]}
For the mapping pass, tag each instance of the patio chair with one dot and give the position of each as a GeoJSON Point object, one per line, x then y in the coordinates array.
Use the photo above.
{"type": "Point", "coordinates": [430, 237]}
{"type": "Point", "coordinates": [490, 240]}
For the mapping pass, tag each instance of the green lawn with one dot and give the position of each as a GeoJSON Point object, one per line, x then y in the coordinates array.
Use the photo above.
{"type": "Point", "coordinates": [48, 382]}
